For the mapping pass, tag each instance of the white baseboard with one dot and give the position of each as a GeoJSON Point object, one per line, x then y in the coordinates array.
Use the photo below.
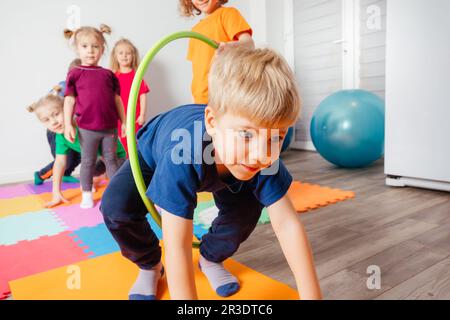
{"type": "Point", "coordinates": [23, 176]}
{"type": "Point", "coordinates": [418, 183]}
{"type": "Point", "coordinates": [14, 177]}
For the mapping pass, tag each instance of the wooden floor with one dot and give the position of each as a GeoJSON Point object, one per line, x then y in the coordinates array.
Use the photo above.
{"type": "Point", "coordinates": [403, 231]}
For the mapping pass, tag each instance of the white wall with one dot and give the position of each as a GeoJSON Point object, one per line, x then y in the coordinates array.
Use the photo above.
{"type": "Point", "coordinates": [35, 56]}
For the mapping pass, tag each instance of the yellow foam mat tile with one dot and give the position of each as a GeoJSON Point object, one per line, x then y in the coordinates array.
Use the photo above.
{"type": "Point", "coordinates": [20, 205]}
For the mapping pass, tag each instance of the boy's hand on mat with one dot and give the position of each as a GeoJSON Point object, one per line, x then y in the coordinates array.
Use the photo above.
{"type": "Point", "coordinates": [123, 128]}
{"type": "Point", "coordinates": [57, 199]}
{"type": "Point", "coordinates": [70, 133]}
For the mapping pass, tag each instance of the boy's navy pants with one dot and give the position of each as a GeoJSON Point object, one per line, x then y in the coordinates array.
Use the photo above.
{"type": "Point", "coordinates": [125, 216]}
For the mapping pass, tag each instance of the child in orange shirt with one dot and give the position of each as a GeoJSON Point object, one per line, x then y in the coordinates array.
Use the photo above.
{"type": "Point", "coordinates": [224, 25]}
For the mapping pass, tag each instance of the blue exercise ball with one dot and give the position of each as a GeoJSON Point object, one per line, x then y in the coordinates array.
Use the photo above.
{"type": "Point", "coordinates": [347, 128]}
{"type": "Point", "coordinates": [287, 139]}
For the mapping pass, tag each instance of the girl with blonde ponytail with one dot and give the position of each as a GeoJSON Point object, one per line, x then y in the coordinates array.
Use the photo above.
{"type": "Point", "coordinates": [93, 95]}
{"type": "Point", "coordinates": [49, 111]}
{"type": "Point", "coordinates": [55, 98]}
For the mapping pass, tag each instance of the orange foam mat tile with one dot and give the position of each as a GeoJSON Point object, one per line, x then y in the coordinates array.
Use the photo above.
{"type": "Point", "coordinates": [111, 276]}
{"type": "Point", "coordinates": [73, 195]}
{"type": "Point", "coordinates": [305, 196]}
{"type": "Point", "coordinates": [20, 205]}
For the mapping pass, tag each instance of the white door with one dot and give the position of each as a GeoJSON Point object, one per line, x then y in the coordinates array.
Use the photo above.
{"type": "Point", "coordinates": [318, 57]}
{"type": "Point", "coordinates": [371, 44]}
{"type": "Point", "coordinates": [337, 44]}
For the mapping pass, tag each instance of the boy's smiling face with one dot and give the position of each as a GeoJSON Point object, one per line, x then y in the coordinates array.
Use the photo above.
{"type": "Point", "coordinates": [243, 148]}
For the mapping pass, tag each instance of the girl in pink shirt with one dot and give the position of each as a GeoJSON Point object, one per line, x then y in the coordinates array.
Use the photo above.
{"type": "Point", "coordinates": [124, 62]}
{"type": "Point", "coordinates": [93, 96]}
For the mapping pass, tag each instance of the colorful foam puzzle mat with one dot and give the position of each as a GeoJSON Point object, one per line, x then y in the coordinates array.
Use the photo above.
{"type": "Point", "coordinates": [30, 257]}
{"type": "Point", "coordinates": [47, 187]}
{"type": "Point", "coordinates": [73, 218]}
{"type": "Point", "coordinates": [20, 205]}
{"type": "Point", "coordinates": [34, 239]}
{"type": "Point", "coordinates": [13, 191]}
{"type": "Point", "coordinates": [29, 226]}
{"type": "Point", "coordinates": [110, 277]}
{"type": "Point", "coordinates": [304, 196]}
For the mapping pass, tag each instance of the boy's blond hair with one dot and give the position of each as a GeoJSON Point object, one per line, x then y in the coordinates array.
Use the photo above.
{"type": "Point", "coordinates": [257, 84]}
{"type": "Point", "coordinates": [187, 8]}
{"type": "Point", "coordinates": [134, 63]}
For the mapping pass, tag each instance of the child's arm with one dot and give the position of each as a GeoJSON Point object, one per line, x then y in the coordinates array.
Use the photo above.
{"type": "Point", "coordinates": [178, 255]}
{"type": "Point", "coordinates": [295, 246]}
{"type": "Point", "coordinates": [69, 129]}
{"type": "Point", "coordinates": [244, 40]}
{"type": "Point", "coordinates": [59, 167]}
{"type": "Point", "coordinates": [121, 112]}
{"type": "Point", "coordinates": [143, 102]}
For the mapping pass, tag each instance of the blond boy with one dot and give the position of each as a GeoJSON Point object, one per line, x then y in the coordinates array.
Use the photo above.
{"type": "Point", "coordinates": [229, 147]}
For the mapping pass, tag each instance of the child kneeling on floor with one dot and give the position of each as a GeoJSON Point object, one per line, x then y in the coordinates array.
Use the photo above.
{"type": "Point", "coordinates": [49, 111]}
{"type": "Point", "coordinates": [229, 147]}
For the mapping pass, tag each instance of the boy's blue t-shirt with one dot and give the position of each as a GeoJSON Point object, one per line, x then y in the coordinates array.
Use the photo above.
{"type": "Point", "coordinates": [174, 185]}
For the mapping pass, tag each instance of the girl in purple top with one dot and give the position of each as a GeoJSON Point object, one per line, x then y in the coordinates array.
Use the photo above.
{"type": "Point", "coordinates": [93, 96]}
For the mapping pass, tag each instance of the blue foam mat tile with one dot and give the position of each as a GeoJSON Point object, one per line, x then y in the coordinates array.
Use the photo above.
{"type": "Point", "coordinates": [29, 226]}
{"type": "Point", "coordinates": [96, 240]}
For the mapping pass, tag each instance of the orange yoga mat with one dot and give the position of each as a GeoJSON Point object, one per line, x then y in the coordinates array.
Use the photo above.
{"type": "Point", "coordinates": [111, 276]}
{"type": "Point", "coordinates": [305, 196]}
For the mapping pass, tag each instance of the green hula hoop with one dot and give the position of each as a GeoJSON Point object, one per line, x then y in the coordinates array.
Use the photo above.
{"type": "Point", "coordinates": [131, 115]}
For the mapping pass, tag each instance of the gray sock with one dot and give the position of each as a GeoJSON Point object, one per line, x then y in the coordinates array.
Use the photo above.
{"type": "Point", "coordinates": [146, 283]}
{"type": "Point", "coordinates": [223, 282]}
